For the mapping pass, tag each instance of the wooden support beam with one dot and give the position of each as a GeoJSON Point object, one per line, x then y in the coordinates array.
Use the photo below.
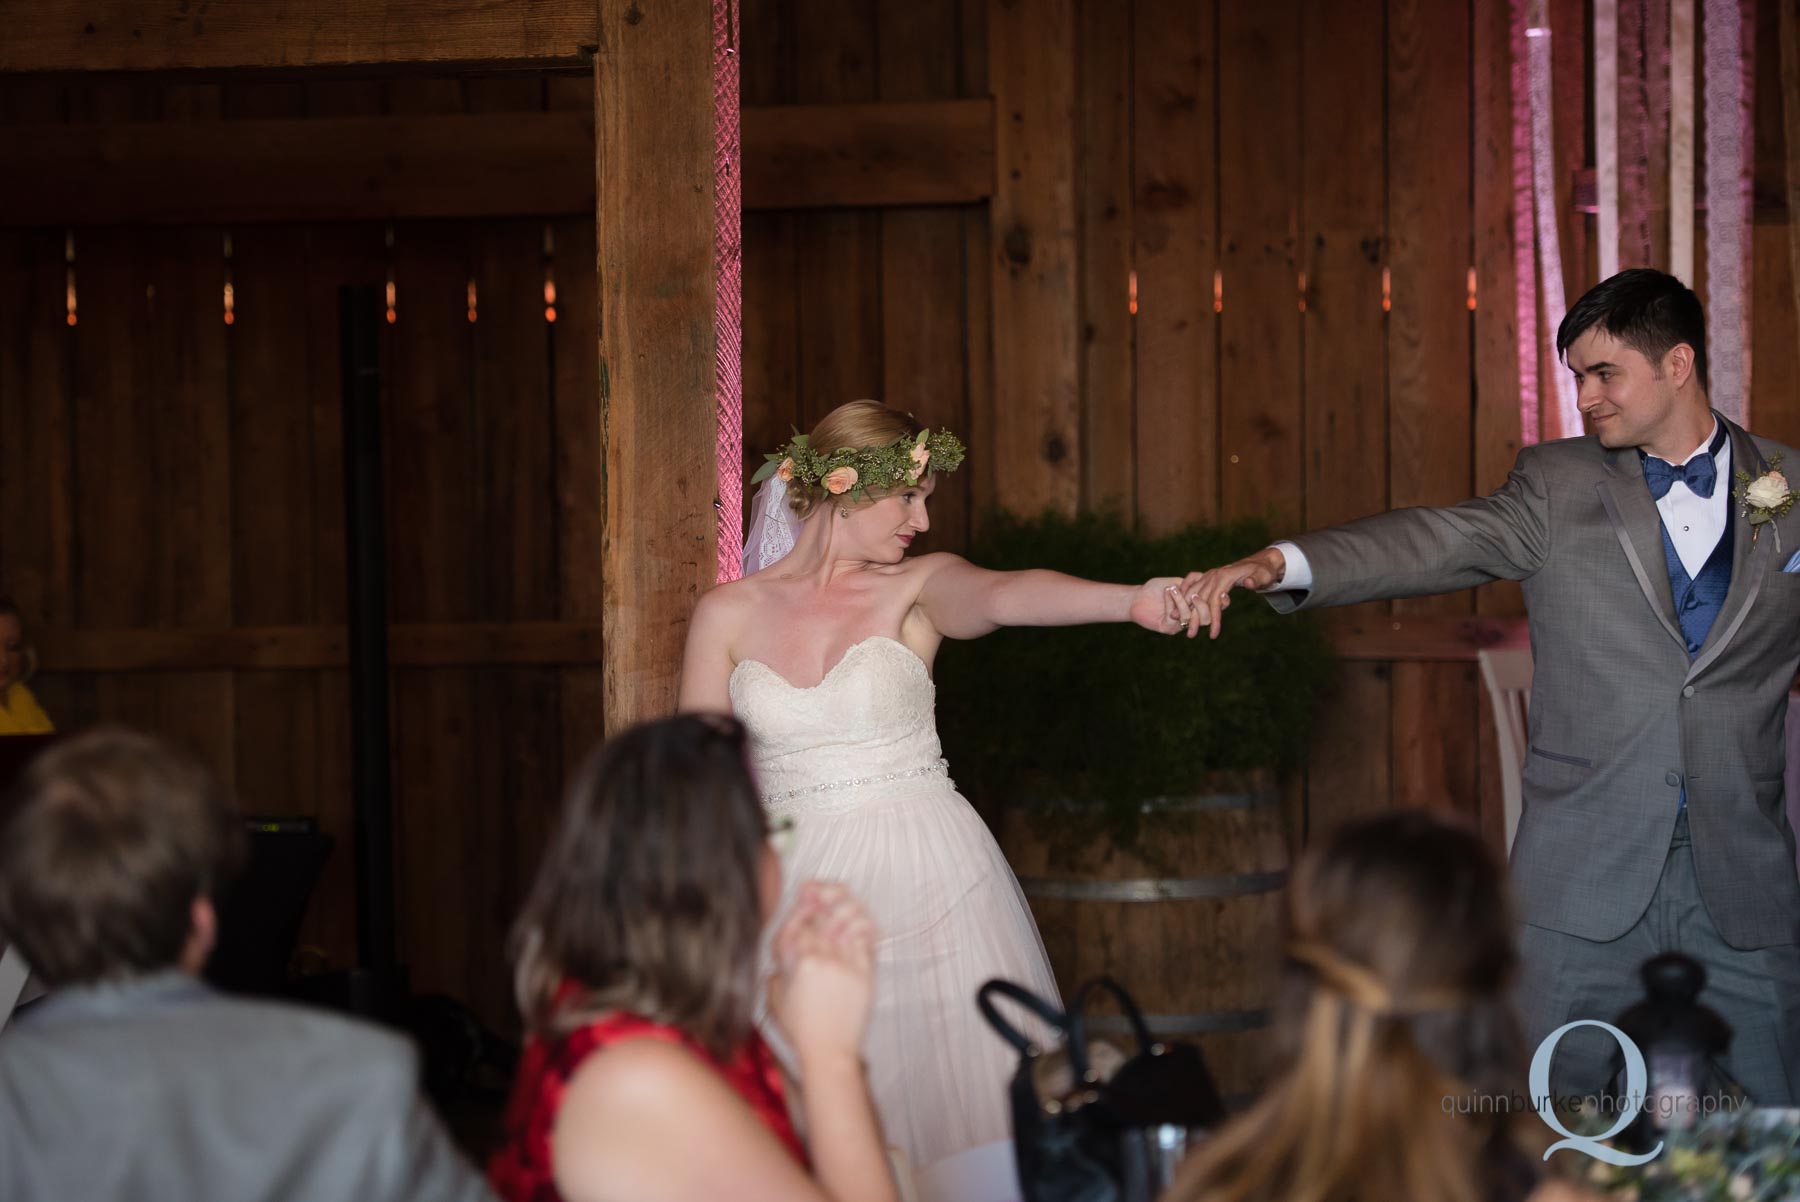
{"type": "Point", "coordinates": [173, 35]}
{"type": "Point", "coordinates": [654, 131]}
{"type": "Point", "coordinates": [469, 165]}
{"type": "Point", "coordinates": [255, 648]}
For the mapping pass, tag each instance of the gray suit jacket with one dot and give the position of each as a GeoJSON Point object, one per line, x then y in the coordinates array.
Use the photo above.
{"type": "Point", "coordinates": [162, 1089]}
{"type": "Point", "coordinates": [1620, 717]}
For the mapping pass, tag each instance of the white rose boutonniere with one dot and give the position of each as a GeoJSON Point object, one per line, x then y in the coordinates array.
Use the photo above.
{"type": "Point", "coordinates": [1763, 499]}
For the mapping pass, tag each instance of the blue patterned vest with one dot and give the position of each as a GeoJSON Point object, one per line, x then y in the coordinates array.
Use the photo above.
{"type": "Point", "coordinates": [1698, 599]}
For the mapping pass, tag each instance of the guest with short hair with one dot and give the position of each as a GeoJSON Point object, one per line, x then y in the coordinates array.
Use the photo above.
{"type": "Point", "coordinates": [20, 713]}
{"type": "Point", "coordinates": [645, 1079]}
{"type": "Point", "coordinates": [1404, 1077]}
{"type": "Point", "coordinates": [133, 1079]}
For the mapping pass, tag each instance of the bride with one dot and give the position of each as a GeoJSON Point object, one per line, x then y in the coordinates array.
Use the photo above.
{"type": "Point", "coordinates": [825, 655]}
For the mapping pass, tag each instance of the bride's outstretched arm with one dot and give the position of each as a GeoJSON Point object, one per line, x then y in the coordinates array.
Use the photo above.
{"type": "Point", "coordinates": [706, 662]}
{"type": "Point", "coordinates": [963, 601]}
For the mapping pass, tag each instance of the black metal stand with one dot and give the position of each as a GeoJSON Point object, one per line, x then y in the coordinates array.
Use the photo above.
{"type": "Point", "coordinates": [380, 987]}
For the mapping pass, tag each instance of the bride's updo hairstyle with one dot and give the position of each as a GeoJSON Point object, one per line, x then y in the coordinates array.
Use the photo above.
{"type": "Point", "coordinates": [857, 425]}
{"type": "Point", "coordinates": [648, 897]}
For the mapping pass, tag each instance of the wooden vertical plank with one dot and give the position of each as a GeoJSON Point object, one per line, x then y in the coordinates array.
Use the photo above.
{"type": "Point", "coordinates": [36, 455]}
{"type": "Point", "coordinates": [191, 452]}
{"type": "Point", "coordinates": [1260, 417]}
{"type": "Point", "coordinates": [771, 387]}
{"type": "Point", "coordinates": [1036, 295]}
{"type": "Point", "coordinates": [1175, 227]}
{"type": "Point", "coordinates": [1344, 381]}
{"type": "Point", "coordinates": [274, 567]}
{"type": "Point", "coordinates": [580, 495]}
{"type": "Point", "coordinates": [435, 573]}
{"type": "Point", "coordinates": [1429, 355]}
{"type": "Point", "coordinates": [1774, 409]}
{"type": "Point", "coordinates": [1574, 151]}
{"type": "Point", "coordinates": [113, 416]}
{"type": "Point", "coordinates": [838, 254]}
{"type": "Point", "coordinates": [1497, 425]}
{"type": "Point", "coordinates": [921, 263]}
{"type": "Point", "coordinates": [1108, 347]}
{"type": "Point", "coordinates": [654, 141]}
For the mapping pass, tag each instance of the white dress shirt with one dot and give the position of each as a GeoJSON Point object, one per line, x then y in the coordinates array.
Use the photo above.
{"type": "Point", "coordinates": [1695, 523]}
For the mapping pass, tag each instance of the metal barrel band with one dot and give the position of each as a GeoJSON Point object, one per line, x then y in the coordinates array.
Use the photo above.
{"type": "Point", "coordinates": [1212, 1022]}
{"type": "Point", "coordinates": [1152, 889]}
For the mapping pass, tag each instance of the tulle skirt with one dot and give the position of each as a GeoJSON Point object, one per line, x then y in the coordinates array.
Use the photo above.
{"type": "Point", "coordinates": [951, 916]}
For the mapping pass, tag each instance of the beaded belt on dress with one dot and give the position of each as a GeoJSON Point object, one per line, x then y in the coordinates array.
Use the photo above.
{"type": "Point", "coordinates": [938, 767]}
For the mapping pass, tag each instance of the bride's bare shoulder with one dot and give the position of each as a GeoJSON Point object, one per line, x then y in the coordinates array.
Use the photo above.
{"type": "Point", "coordinates": [726, 605]}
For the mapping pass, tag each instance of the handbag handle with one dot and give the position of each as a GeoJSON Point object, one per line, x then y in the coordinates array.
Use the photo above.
{"type": "Point", "coordinates": [984, 998]}
{"type": "Point", "coordinates": [1077, 1021]}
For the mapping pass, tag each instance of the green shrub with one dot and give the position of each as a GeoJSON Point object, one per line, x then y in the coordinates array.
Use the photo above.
{"type": "Point", "coordinates": [1101, 718]}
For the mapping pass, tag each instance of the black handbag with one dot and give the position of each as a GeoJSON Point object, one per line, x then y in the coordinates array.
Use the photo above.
{"type": "Point", "coordinates": [1088, 1117]}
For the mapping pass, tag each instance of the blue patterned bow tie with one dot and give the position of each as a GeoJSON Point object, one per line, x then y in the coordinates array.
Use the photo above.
{"type": "Point", "coordinates": [1700, 474]}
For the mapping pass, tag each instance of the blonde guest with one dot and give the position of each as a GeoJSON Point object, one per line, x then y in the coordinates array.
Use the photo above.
{"type": "Point", "coordinates": [1404, 1076]}
{"type": "Point", "coordinates": [20, 713]}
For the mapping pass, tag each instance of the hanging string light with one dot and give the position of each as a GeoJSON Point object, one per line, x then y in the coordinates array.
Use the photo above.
{"type": "Point", "coordinates": [392, 314]}
{"type": "Point", "coordinates": [1131, 292]}
{"type": "Point", "coordinates": [549, 273]}
{"type": "Point", "coordinates": [69, 275]}
{"type": "Point", "coordinates": [230, 296]}
{"type": "Point", "coordinates": [471, 298]}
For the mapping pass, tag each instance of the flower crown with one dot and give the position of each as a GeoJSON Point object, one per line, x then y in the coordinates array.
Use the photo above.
{"type": "Point", "coordinates": [855, 470]}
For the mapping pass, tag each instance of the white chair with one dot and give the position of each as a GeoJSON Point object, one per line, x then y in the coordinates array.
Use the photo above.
{"type": "Point", "coordinates": [13, 975]}
{"type": "Point", "coordinates": [1506, 671]}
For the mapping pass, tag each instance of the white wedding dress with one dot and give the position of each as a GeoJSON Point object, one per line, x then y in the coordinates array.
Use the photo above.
{"type": "Point", "coordinates": [855, 761]}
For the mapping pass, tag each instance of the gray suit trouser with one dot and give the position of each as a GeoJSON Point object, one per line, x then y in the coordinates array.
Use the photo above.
{"type": "Point", "coordinates": [1564, 977]}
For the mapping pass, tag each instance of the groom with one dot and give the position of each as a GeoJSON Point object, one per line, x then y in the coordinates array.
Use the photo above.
{"type": "Point", "coordinates": [1665, 625]}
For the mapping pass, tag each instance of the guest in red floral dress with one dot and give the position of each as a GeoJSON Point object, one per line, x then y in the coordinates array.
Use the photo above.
{"type": "Point", "coordinates": [644, 1079]}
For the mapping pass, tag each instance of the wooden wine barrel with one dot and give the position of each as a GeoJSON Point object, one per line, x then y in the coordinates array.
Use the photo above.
{"type": "Point", "coordinates": [1191, 927]}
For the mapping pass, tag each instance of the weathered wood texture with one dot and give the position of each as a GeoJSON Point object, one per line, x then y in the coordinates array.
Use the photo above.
{"type": "Point", "coordinates": [486, 162]}
{"type": "Point", "coordinates": [172, 491]}
{"type": "Point", "coordinates": [161, 35]}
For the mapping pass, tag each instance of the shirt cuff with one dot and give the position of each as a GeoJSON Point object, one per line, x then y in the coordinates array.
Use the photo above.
{"type": "Point", "coordinates": [1298, 576]}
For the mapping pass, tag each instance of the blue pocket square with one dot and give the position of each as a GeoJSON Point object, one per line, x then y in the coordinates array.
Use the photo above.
{"type": "Point", "coordinates": [1793, 565]}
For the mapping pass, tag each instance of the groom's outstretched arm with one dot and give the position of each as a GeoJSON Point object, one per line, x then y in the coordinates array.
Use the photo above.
{"type": "Point", "coordinates": [1403, 553]}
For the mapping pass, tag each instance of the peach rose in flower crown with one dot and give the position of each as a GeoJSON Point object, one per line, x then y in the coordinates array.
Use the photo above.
{"type": "Point", "coordinates": [785, 472]}
{"type": "Point", "coordinates": [840, 480]}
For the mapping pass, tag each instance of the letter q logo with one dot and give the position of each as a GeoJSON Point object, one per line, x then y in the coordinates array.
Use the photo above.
{"type": "Point", "coordinates": [1636, 1079]}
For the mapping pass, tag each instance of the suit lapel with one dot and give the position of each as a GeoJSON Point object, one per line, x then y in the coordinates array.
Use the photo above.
{"type": "Point", "coordinates": [1749, 557]}
{"type": "Point", "coordinates": [1639, 529]}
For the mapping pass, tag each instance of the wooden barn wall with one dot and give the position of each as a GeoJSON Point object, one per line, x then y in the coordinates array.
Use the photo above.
{"type": "Point", "coordinates": [162, 472]}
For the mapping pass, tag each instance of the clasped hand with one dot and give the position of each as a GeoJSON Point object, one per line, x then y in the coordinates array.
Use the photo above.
{"type": "Point", "coordinates": [1168, 604]}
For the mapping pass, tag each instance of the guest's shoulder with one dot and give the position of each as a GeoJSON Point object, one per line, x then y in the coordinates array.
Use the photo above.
{"type": "Point", "coordinates": [318, 1037]}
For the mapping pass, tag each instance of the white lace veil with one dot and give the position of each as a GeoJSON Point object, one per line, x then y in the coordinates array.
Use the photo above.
{"type": "Point", "coordinates": [773, 526]}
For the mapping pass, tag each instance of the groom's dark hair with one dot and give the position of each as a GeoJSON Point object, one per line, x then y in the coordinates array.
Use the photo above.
{"type": "Point", "coordinates": [1648, 310]}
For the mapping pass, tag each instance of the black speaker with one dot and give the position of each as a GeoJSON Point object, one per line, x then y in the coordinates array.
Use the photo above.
{"type": "Point", "coordinates": [261, 911]}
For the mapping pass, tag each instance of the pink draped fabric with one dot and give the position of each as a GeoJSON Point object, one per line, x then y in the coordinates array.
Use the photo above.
{"type": "Point", "coordinates": [728, 315]}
